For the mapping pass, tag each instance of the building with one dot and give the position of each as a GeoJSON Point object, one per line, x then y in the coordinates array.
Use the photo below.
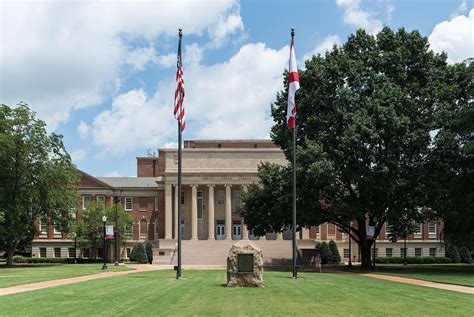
{"type": "Point", "coordinates": [214, 174]}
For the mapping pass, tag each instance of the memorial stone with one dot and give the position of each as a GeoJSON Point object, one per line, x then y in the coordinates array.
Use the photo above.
{"type": "Point", "coordinates": [245, 265]}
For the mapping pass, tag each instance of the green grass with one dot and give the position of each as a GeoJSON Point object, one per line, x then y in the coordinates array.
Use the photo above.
{"type": "Point", "coordinates": [204, 293]}
{"type": "Point", "coordinates": [459, 274]}
{"type": "Point", "coordinates": [24, 274]}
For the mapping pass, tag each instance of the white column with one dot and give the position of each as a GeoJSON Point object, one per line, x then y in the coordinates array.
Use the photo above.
{"type": "Point", "coordinates": [305, 233]}
{"type": "Point", "coordinates": [175, 211]}
{"type": "Point", "coordinates": [228, 212]}
{"type": "Point", "coordinates": [210, 220]}
{"type": "Point", "coordinates": [194, 213]}
{"type": "Point", "coordinates": [168, 212]}
{"type": "Point", "coordinates": [245, 231]}
{"type": "Point", "coordinates": [279, 236]}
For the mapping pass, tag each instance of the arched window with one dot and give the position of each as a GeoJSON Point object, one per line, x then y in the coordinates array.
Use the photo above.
{"type": "Point", "coordinates": [143, 228]}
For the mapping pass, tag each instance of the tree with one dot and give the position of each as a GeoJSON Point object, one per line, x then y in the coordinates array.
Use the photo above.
{"type": "Point", "coordinates": [452, 253]}
{"type": "Point", "coordinates": [465, 255]}
{"type": "Point", "coordinates": [365, 113]}
{"type": "Point", "coordinates": [38, 177]}
{"type": "Point", "coordinates": [335, 256]}
{"type": "Point", "coordinates": [139, 254]}
{"type": "Point", "coordinates": [88, 228]}
{"type": "Point", "coordinates": [325, 252]}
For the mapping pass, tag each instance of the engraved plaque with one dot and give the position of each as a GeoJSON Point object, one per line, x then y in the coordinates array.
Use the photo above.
{"type": "Point", "coordinates": [245, 263]}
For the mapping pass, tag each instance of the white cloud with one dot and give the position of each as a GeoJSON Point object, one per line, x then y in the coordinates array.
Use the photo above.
{"type": "Point", "coordinates": [461, 10]}
{"type": "Point", "coordinates": [78, 155]}
{"type": "Point", "coordinates": [193, 54]}
{"type": "Point", "coordinates": [140, 57]}
{"type": "Point", "coordinates": [60, 56]}
{"type": "Point", "coordinates": [226, 25]}
{"type": "Point", "coordinates": [83, 130]}
{"type": "Point", "coordinates": [325, 45]}
{"type": "Point", "coordinates": [226, 100]}
{"type": "Point", "coordinates": [167, 60]}
{"type": "Point", "coordinates": [455, 37]}
{"type": "Point", "coordinates": [356, 16]}
{"type": "Point", "coordinates": [112, 174]}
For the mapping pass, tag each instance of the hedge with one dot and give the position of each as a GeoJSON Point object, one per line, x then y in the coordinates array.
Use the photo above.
{"type": "Point", "coordinates": [149, 252]}
{"type": "Point", "coordinates": [22, 259]}
{"type": "Point", "coordinates": [465, 255]}
{"type": "Point", "coordinates": [413, 260]}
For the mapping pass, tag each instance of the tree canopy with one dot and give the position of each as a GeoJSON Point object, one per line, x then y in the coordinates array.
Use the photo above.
{"type": "Point", "coordinates": [367, 111]}
{"type": "Point", "coordinates": [37, 177]}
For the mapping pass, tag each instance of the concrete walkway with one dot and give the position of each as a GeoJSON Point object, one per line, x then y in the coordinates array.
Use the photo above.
{"type": "Point", "coordinates": [449, 287]}
{"type": "Point", "coordinates": [136, 268]}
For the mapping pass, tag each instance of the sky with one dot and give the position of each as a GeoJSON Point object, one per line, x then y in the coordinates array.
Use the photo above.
{"type": "Point", "coordinates": [101, 73]}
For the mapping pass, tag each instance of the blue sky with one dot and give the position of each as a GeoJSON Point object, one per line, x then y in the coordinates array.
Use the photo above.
{"type": "Point", "coordinates": [101, 73]}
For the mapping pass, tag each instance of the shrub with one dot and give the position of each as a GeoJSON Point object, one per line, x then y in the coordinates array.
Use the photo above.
{"type": "Point", "coordinates": [19, 259]}
{"type": "Point", "coordinates": [149, 252]}
{"type": "Point", "coordinates": [139, 254]}
{"type": "Point", "coordinates": [413, 260]}
{"type": "Point", "coordinates": [452, 253]}
{"type": "Point", "coordinates": [465, 255]}
{"type": "Point", "coordinates": [335, 256]}
{"type": "Point", "coordinates": [325, 252]}
{"type": "Point", "coordinates": [22, 259]}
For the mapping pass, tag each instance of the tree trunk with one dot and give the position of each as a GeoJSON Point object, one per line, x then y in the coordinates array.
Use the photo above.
{"type": "Point", "coordinates": [10, 252]}
{"type": "Point", "coordinates": [365, 254]}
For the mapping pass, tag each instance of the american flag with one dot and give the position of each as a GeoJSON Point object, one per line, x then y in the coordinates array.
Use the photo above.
{"type": "Point", "coordinates": [179, 92]}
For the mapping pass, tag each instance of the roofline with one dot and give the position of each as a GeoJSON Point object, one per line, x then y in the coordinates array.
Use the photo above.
{"type": "Point", "coordinates": [94, 178]}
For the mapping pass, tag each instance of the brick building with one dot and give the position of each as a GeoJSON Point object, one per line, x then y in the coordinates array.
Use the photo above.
{"type": "Point", "coordinates": [214, 174]}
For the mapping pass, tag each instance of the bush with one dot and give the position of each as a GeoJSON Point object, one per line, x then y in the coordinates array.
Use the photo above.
{"type": "Point", "coordinates": [325, 252]}
{"type": "Point", "coordinates": [452, 253]}
{"type": "Point", "coordinates": [335, 256]}
{"type": "Point", "coordinates": [413, 260]}
{"type": "Point", "coordinates": [149, 252]}
{"type": "Point", "coordinates": [465, 255]}
{"type": "Point", "coordinates": [19, 259]}
{"type": "Point", "coordinates": [22, 259]}
{"type": "Point", "coordinates": [139, 254]}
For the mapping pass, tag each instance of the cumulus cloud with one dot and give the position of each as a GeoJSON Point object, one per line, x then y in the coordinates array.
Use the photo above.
{"type": "Point", "coordinates": [225, 100]}
{"type": "Point", "coordinates": [59, 56]}
{"type": "Point", "coordinates": [356, 16]}
{"type": "Point", "coordinates": [455, 37]}
{"type": "Point", "coordinates": [322, 47]}
{"type": "Point", "coordinates": [83, 130]}
{"type": "Point", "coordinates": [78, 155]}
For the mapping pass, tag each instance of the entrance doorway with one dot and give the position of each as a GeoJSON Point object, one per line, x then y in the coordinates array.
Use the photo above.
{"type": "Point", "coordinates": [236, 231]}
{"type": "Point", "coordinates": [220, 230]}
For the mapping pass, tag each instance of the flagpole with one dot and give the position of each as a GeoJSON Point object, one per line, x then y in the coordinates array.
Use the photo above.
{"type": "Point", "coordinates": [295, 273]}
{"type": "Point", "coordinates": [178, 270]}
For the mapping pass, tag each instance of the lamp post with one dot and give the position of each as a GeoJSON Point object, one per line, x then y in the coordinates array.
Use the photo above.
{"type": "Point", "coordinates": [104, 251]}
{"type": "Point", "coordinates": [117, 246]}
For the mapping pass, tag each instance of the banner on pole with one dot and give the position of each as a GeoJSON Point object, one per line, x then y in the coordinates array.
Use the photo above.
{"type": "Point", "coordinates": [109, 232]}
{"type": "Point", "coordinates": [370, 232]}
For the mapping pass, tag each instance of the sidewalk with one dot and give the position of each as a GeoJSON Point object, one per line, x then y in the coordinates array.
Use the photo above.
{"type": "Point", "coordinates": [136, 268]}
{"type": "Point", "coordinates": [449, 287]}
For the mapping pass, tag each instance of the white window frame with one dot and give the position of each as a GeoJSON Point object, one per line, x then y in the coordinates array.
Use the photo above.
{"type": "Point", "coordinates": [435, 251]}
{"type": "Point", "coordinates": [236, 198]}
{"type": "Point", "coordinates": [419, 249]}
{"type": "Point", "coordinates": [84, 205]}
{"type": "Point", "coordinates": [218, 195]}
{"type": "Point", "coordinates": [127, 198]}
{"type": "Point", "coordinates": [54, 250]}
{"type": "Point", "coordinates": [388, 228]}
{"type": "Point", "coordinates": [433, 222]}
{"type": "Point", "coordinates": [155, 203]}
{"type": "Point", "coordinates": [45, 252]}
{"type": "Point", "coordinates": [43, 222]}
{"type": "Point", "coordinates": [98, 198]}
{"type": "Point", "coordinates": [55, 230]}
{"type": "Point", "coordinates": [420, 231]}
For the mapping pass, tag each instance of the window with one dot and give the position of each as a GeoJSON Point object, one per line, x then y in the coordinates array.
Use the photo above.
{"type": "Point", "coordinates": [129, 230]}
{"type": "Point", "coordinates": [155, 204]}
{"type": "Point", "coordinates": [236, 197]}
{"type": "Point", "coordinates": [42, 252]}
{"type": "Point", "coordinates": [128, 203]}
{"type": "Point", "coordinates": [57, 232]}
{"type": "Point", "coordinates": [57, 252]}
{"type": "Point", "coordinates": [432, 251]}
{"type": "Point", "coordinates": [43, 226]}
{"type": "Point", "coordinates": [86, 253]}
{"type": "Point", "coordinates": [143, 228]}
{"type": "Point", "coordinates": [182, 197]}
{"type": "Point", "coordinates": [346, 253]}
{"type": "Point", "coordinates": [129, 251]}
{"type": "Point", "coordinates": [417, 251]}
{"type": "Point", "coordinates": [143, 203]}
{"type": "Point", "coordinates": [417, 226]}
{"type": "Point", "coordinates": [71, 252]}
{"type": "Point", "coordinates": [388, 252]}
{"type": "Point", "coordinates": [100, 200]}
{"type": "Point", "coordinates": [432, 227]}
{"type": "Point", "coordinates": [388, 228]}
{"type": "Point", "coordinates": [86, 200]}
{"type": "Point", "coordinates": [220, 197]}
{"type": "Point", "coordinates": [375, 252]}
{"type": "Point", "coordinates": [200, 205]}
{"type": "Point", "coordinates": [402, 251]}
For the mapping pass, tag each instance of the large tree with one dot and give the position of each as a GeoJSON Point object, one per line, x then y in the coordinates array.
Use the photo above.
{"type": "Point", "coordinates": [37, 177]}
{"type": "Point", "coordinates": [365, 113]}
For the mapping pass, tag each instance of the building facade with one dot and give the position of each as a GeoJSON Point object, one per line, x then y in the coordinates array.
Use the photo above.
{"type": "Point", "coordinates": [214, 175]}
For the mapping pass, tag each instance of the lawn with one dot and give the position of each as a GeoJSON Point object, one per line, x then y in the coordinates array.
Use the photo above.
{"type": "Point", "coordinates": [459, 274]}
{"type": "Point", "coordinates": [204, 293]}
{"type": "Point", "coordinates": [22, 274]}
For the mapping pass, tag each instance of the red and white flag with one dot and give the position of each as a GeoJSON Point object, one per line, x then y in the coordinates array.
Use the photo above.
{"type": "Point", "coordinates": [179, 92]}
{"type": "Point", "coordinates": [293, 86]}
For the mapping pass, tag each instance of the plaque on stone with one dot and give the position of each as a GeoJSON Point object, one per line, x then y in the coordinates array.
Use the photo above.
{"type": "Point", "coordinates": [245, 265]}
